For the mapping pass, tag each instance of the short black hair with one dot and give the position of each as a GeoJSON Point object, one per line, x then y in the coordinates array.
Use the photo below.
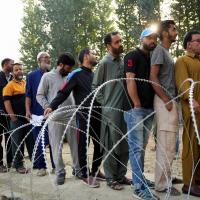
{"type": "Point", "coordinates": [188, 37]}
{"type": "Point", "coordinates": [164, 26]}
{"type": "Point", "coordinates": [66, 59]}
{"type": "Point", "coordinates": [108, 37]}
{"type": "Point", "coordinates": [5, 61]}
{"type": "Point", "coordinates": [82, 54]}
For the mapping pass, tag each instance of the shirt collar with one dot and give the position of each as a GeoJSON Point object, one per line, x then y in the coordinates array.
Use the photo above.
{"type": "Point", "coordinates": [16, 81]}
{"type": "Point", "coordinates": [86, 69]}
{"type": "Point", "coordinates": [113, 58]}
{"type": "Point", "coordinates": [192, 55]}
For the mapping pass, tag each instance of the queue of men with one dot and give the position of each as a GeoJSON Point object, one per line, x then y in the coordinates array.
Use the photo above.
{"type": "Point", "coordinates": [129, 93]}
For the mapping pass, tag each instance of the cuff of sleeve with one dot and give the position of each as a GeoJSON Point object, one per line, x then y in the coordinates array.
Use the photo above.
{"type": "Point", "coordinates": [7, 98]}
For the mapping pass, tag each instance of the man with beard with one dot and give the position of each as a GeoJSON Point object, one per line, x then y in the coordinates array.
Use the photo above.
{"type": "Point", "coordinates": [79, 81]}
{"type": "Point", "coordinates": [162, 73]}
{"type": "Point", "coordinates": [34, 111]}
{"type": "Point", "coordinates": [5, 77]}
{"type": "Point", "coordinates": [139, 116]}
{"type": "Point", "coordinates": [112, 97]}
{"type": "Point", "coordinates": [14, 101]}
{"type": "Point", "coordinates": [188, 67]}
{"type": "Point", "coordinates": [47, 91]}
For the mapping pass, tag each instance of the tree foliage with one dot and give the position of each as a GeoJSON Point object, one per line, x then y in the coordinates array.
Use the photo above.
{"type": "Point", "coordinates": [33, 35]}
{"type": "Point", "coordinates": [70, 25]}
{"type": "Point", "coordinates": [187, 17]}
{"type": "Point", "coordinates": [134, 16]}
{"type": "Point", "coordinates": [64, 25]}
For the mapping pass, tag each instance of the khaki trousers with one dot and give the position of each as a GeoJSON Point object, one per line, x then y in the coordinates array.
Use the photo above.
{"type": "Point", "coordinates": [167, 125]}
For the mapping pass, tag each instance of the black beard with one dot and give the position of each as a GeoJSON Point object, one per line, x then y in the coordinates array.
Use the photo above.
{"type": "Point", "coordinates": [171, 39]}
{"type": "Point", "coordinates": [149, 48]}
{"type": "Point", "coordinates": [63, 73]}
{"type": "Point", "coordinates": [93, 63]}
{"type": "Point", "coordinates": [118, 51]}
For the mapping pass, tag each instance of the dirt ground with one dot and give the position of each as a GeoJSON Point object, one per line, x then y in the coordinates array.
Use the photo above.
{"type": "Point", "coordinates": [31, 187]}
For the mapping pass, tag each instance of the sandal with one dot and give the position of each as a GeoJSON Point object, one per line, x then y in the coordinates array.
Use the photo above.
{"type": "Point", "coordinates": [22, 170]}
{"type": "Point", "coordinates": [172, 191]}
{"type": "Point", "coordinates": [125, 181]}
{"type": "Point", "coordinates": [176, 180]}
{"type": "Point", "coordinates": [115, 185]}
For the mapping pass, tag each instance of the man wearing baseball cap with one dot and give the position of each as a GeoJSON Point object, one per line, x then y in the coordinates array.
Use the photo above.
{"type": "Point", "coordinates": [139, 115]}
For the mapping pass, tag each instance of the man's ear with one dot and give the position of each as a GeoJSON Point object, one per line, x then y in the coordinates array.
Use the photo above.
{"type": "Point", "coordinates": [165, 33]}
{"type": "Point", "coordinates": [188, 45]}
{"type": "Point", "coordinates": [61, 65]}
{"type": "Point", "coordinates": [108, 46]}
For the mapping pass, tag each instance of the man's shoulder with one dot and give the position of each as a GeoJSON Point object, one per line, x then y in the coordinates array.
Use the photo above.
{"type": "Point", "coordinates": [2, 76]}
{"type": "Point", "coordinates": [107, 59]}
{"type": "Point", "coordinates": [133, 53]}
{"type": "Point", "coordinates": [182, 59]}
{"type": "Point", "coordinates": [74, 73]}
{"type": "Point", "coordinates": [10, 84]}
{"type": "Point", "coordinates": [49, 74]}
{"type": "Point", "coordinates": [33, 73]}
{"type": "Point", "coordinates": [158, 48]}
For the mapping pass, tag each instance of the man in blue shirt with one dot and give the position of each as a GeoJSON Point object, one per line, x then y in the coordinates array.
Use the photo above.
{"type": "Point", "coordinates": [34, 109]}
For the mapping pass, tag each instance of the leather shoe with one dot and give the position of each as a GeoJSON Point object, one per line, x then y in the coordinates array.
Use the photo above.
{"type": "Point", "coordinates": [194, 190]}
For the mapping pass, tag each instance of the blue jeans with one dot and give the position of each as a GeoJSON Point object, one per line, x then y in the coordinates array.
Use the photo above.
{"type": "Point", "coordinates": [138, 135]}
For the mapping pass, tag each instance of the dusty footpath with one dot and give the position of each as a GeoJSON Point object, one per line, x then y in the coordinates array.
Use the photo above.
{"type": "Point", "coordinates": [29, 186]}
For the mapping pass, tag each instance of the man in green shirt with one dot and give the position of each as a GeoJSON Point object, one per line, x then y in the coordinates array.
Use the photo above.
{"type": "Point", "coordinates": [112, 97]}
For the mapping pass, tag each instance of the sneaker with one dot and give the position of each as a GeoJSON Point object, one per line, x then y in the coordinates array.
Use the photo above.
{"type": "Point", "coordinates": [60, 179]}
{"type": "Point", "coordinates": [91, 182]}
{"type": "Point", "coordinates": [145, 194]}
{"type": "Point", "coordinates": [3, 169]}
{"type": "Point", "coordinates": [41, 172]}
{"type": "Point", "coordinates": [100, 176]}
{"type": "Point", "coordinates": [150, 184]}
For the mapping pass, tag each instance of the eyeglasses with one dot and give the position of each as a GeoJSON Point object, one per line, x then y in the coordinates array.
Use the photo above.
{"type": "Point", "coordinates": [197, 40]}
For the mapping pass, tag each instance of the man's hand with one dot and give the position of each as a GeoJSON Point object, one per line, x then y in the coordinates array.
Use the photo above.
{"type": "Point", "coordinates": [28, 115]}
{"type": "Point", "coordinates": [168, 104]}
{"type": "Point", "coordinates": [47, 112]}
{"type": "Point", "coordinates": [137, 105]}
{"type": "Point", "coordinates": [13, 118]}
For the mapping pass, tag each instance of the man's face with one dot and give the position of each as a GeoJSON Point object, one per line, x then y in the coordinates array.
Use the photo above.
{"type": "Point", "coordinates": [92, 57]}
{"type": "Point", "coordinates": [194, 44]}
{"type": "Point", "coordinates": [172, 33]}
{"type": "Point", "coordinates": [44, 61]}
{"type": "Point", "coordinates": [9, 66]}
{"type": "Point", "coordinates": [18, 72]}
{"type": "Point", "coordinates": [149, 43]}
{"type": "Point", "coordinates": [65, 70]}
{"type": "Point", "coordinates": [116, 45]}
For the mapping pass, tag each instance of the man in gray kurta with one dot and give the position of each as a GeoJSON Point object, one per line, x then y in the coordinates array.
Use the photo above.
{"type": "Point", "coordinates": [112, 97]}
{"type": "Point", "coordinates": [47, 91]}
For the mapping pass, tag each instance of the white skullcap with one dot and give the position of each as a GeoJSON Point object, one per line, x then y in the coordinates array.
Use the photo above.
{"type": "Point", "coordinates": [39, 54]}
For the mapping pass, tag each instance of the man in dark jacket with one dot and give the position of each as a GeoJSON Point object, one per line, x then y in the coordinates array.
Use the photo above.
{"type": "Point", "coordinates": [5, 77]}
